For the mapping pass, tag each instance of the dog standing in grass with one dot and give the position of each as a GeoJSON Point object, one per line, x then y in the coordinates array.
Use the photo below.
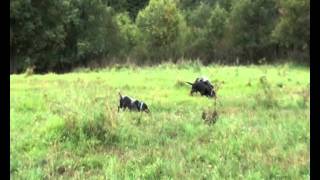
{"type": "Point", "coordinates": [203, 86]}
{"type": "Point", "coordinates": [132, 104]}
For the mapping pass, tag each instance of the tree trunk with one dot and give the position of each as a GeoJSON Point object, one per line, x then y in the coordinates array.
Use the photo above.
{"type": "Point", "coordinates": [12, 62]}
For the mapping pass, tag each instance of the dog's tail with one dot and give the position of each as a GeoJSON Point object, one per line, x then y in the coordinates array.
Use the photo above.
{"type": "Point", "coordinates": [189, 83]}
{"type": "Point", "coordinates": [120, 94]}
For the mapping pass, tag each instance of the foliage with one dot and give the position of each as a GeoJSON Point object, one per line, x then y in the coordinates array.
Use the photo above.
{"type": "Point", "coordinates": [54, 34]}
{"type": "Point", "coordinates": [250, 26]}
{"type": "Point", "coordinates": [129, 32]}
{"type": "Point", "coordinates": [162, 24]}
{"type": "Point", "coordinates": [62, 35]}
{"type": "Point", "coordinates": [293, 28]}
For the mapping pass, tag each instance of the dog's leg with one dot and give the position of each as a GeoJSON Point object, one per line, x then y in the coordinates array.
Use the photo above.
{"type": "Point", "coordinates": [215, 104]}
{"type": "Point", "coordinates": [203, 93]}
{"type": "Point", "coordinates": [191, 92]}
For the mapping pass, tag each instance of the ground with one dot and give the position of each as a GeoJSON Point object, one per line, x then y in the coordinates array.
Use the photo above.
{"type": "Point", "coordinates": [67, 126]}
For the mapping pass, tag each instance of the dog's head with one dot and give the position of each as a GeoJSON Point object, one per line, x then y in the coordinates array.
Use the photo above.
{"type": "Point", "coordinates": [206, 88]}
{"type": "Point", "coordinates": [211, 91]}
{"type": "Point", "coordinates": [120, 96]}
{"type": "Point", "coordinates": [142, 106]}
{"type": "Point", "coordinates": [212, 94]}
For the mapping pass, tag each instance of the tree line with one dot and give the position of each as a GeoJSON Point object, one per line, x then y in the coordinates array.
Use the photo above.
{"type": "Point", "coordinates": [62, 34]}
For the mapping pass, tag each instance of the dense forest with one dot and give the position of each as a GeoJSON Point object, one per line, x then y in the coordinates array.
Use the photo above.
{"type": "Point", "coordinates": [63, 34]}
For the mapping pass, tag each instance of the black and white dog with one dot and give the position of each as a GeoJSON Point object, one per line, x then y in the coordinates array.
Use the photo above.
{"type": "Point", "coordinates": [132, 104]}
{"type": "Point", "coordinates": [203, 86]}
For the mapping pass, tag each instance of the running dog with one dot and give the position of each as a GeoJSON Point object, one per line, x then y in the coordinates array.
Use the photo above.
{"type": "Point", "coordinates": [203, 86]}
{"type": "Point", "coordinates": [132, 104]}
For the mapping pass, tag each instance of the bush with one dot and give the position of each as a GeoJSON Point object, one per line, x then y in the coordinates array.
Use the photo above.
{"type": "Point", "coordinates": [29, 71]}
{"type": "Point", "coordinates": [100, 127]}
{"type": "Point", "coordinates": [267, 96]}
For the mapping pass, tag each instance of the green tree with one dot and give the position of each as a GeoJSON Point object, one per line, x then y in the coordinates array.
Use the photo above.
{"type": "Point", "coordinates": [216, 32]}
{"type": "Point", "coordinates": [98, 36]}
{"type": "Point", "coordinates": [207, 28]}
{"type": "Point", "coordinates": [250, 25]}
{"type": "Point", "coordinates": [130, 6]}
{"type": "Point", "coordinates": [197, 21]}
{"type": "Point", "coordinates": [162, 25]}
{"type": "Point", "coordinates": [198, 18]}
{"type": "Point", "coordinates": [37, 31]}
{"type": "Point", "coordinates": [53, 35]}
{"type": "Point", "coordinates": [193, 4]}
{"type": "Point", "coordinates": [293, 28]}
{"type": "Point", "coordinates": [129, 32]}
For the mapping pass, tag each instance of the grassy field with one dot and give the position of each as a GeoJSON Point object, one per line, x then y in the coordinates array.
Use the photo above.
{"type": "Point", "coordinates": [67, 126]}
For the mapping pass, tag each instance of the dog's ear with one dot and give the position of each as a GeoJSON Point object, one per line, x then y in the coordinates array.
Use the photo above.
{"type": "Point", "coordinates": [213, 94]}
{"type": "Point", "coordinates": [145, 108]}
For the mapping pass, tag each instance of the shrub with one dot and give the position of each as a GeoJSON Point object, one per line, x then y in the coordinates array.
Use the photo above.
{"type": "Point", "coordinates": [267, 95]}
{"type": "Point", "coordinates": [101, 127]}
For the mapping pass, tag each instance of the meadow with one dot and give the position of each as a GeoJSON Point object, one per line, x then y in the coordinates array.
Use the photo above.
{"type": "Point", "coordinates": [67, 126]}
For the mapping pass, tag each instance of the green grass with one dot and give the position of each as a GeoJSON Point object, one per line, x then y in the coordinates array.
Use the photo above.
{"type": "Point", "coordinates": [67, 126]}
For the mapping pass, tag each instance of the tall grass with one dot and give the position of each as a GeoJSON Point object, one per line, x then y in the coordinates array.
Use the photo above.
{"type": "Point", "coordinates": [67, 126]}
